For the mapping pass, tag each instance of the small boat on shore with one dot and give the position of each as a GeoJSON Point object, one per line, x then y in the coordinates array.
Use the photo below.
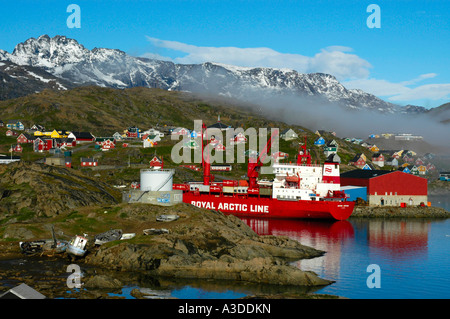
{"type": "Point", "coordinates": [167, 218]}
{"type": "Point", "coordinates": [77, 246]}
{"type": "Point", "coordinates": [127, 236]}
{"type": "Point", "coordinates": [48, 246]}
{"type": "Point", "coordinates": [110, 235]}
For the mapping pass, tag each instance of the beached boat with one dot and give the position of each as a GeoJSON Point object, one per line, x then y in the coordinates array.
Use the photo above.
{"type": "Point", "coordinates": [127, 236]}
{"type": "Point", "coordinates": [110, 235]}
{"type": "Point", "coordinates": [77, 246]}
{"type": "Point", "coordinates": [167, 218]}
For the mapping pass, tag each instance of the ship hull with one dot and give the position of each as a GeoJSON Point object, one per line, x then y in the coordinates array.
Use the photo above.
{"type": "Point", "coordinates": [260, 207]}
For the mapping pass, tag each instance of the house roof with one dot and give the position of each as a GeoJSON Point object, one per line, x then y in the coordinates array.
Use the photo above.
{"type": "Point", "coordinates": [219, 125]}
{"type": "Point", "coordinates": [364, 174]}
{"type": "Point", "coordinates": [22, 291]}
{"type": "Point", "coordinates": [83, 134]}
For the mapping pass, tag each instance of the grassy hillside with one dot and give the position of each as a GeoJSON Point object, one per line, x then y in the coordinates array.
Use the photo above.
{"type": "Point", "coordinates": [104, 111]}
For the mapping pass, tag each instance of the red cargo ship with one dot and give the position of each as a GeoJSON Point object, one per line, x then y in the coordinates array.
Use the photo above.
{"type": "Point", "coordinates": [300, 190]}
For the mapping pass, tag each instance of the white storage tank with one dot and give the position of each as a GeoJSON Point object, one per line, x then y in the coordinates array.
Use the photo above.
{"type": "Point", "coordinates": [156, 180]}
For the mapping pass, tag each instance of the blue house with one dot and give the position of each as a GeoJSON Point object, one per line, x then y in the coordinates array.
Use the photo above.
{"type": "Point", "coordinates": [320, 141]}
{"type": "Point", "coordinates": [367, 167]}
{"type": "Point", "coordinates": [405, 170]}
{"type": "Point", "coordinates": [15, 125]}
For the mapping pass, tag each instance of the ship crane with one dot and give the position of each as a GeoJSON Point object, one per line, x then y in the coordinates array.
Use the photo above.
{"type": "Point", "coordinates": [254, 166]}
{"type": "Point", "coordinates": [303, 156]}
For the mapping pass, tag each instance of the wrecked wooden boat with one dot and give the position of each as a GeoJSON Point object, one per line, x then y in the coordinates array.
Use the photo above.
{"type": "Point", "coordinates": [43, 246]}
{"type": "Point", "coordinates": [110, 235]}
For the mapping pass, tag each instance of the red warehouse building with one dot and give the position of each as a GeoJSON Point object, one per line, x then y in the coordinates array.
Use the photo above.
{"type": "Point", "coordinates": [390, 188]}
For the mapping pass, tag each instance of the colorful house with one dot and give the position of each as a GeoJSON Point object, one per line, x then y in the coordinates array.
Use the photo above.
{"type": "Point", "coordinates": [320, 141]}
{"type": "Point", "coordinates": [288, 134]}
{"type": "Point", "coordinates": [25, 138]}
{"type": "Point", "coordinates": [378, 159]}
{"type": "Point", "coordinates": [42, 144]}
{"type": "Point", "coordinates": [68, 162]}
{"type": "Point", "coordinates": [219, 147]}
{"type": "Point", "coordinates": [330, 148]}
{"type": "Point", "coordinates": [133, 132]}
{"type": "Point", "coordinates": [358, 161]}
{"type": "Point", "coordinates": [107, 145]}
{"type": "Point", "coordinates": [81, 137]}
{"type": "Point", "coordinates": [375, 149]}
{"type": "Point", "coordinates": [10, 133]}
{"type": "Point", "coordinates": [180, 131]}
{"type": "Point", "coordinates": [238, 139]}
{"type": "Point", "coordinates": [391, 188]}
{"type": "Point", "coordinates": [88, 162]}
{"type": "Point", "coordinates": [15, 125]}
{"type": "Point", "coordinates": [422, 169]}
{"type": "Point", "coordinates": [16, 148]}
{"type": "Point", "coordinates": [156, 163]}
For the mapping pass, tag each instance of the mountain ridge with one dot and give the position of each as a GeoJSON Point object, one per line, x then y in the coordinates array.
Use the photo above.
{"type": "Point", "coordinates": [67, 59]}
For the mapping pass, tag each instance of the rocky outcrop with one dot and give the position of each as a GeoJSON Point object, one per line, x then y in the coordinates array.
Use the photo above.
{"type": "Point", "coordinates": [210, 245]}
{"type": "Point", "coordinates": [42, 190]}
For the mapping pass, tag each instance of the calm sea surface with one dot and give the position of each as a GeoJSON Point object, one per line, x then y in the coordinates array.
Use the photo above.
{"type": "Point", "coordinates": [412, 256]}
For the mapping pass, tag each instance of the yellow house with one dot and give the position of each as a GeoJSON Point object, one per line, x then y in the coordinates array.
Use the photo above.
{"type": "Point", "coordinates": [55, 134]}
{"type": "Point", "coordinates": [375, 149]}
{"type": "Point", "coordinates": [38, 133]}
{"type": "Point", "coordinates": [422, 170]}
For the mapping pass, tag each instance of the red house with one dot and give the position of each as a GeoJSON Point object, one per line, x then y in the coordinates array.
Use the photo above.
{"type": "Point", "coordinates": [42, 145]}
{"type": "Point", "coordinates": [11, 133]}
{"type": "Point", "coordinates": [82, 136]}
{"type": "Point", "coordinates": [107, 145]}
{"type": "Point", "coordinates": [378, 159]}
{"type": "Point", "coordinates": [68, 162]}
{"type": "Point", "coordinates": [88, 162]}
{"type": "Point", "coordinates": [25, 138]}
{"type": "Point", "coordinates": [391, 188]}
{"type": "Point", "coordinates": [156, 163]}
{"type": "Point", "coordinates": [358, 161]}
{"type": "Point", "coordinates": [238, 138]}
{"type": "Point", "coordinates": [16, 148]}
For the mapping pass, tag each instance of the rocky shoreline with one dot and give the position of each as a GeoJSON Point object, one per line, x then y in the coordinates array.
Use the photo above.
{"type": "Point", "coordinates": [399, 212]}
{"type": "Point", "coordinates": [200, 245]}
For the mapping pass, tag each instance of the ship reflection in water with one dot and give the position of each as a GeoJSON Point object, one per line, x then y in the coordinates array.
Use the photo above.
{"type": "Point", "coordinates": [328, 236]}
{"type": "Point", "coordinates": [400, 247]}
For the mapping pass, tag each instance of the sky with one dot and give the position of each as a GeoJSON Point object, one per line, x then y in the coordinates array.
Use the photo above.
{"type": "Point", "coordinates": [397, 50]}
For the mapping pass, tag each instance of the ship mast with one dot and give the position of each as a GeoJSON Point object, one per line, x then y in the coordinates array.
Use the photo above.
{"type": "Point", "coordinates": [255, 165]}
{"type": "Point", "coordinates": [205, 162]}
{"type": "Point", "coordinates": [303, 156]}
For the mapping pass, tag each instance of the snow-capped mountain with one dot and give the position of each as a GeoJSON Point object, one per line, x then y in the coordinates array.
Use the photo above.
{"type": "Point", "coordinates": [66, 59]}
{"type": "Point", "coordinates": [19, 80]}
